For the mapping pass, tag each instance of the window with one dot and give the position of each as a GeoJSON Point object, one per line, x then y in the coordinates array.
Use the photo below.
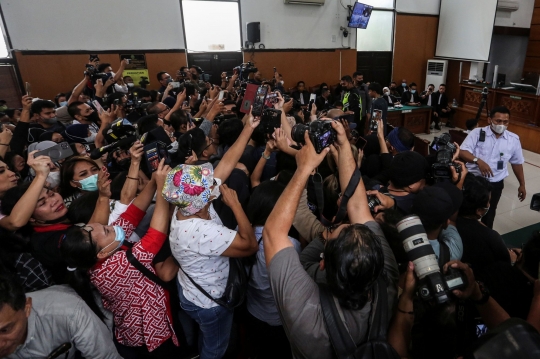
{"type": "Point", "coordinates": [3, 43]}
{"type": "Point", "coordinates": [379, 33]}
{"type": "Point", "coordinates": [211, 25]}
{"type": "Point", "coordinates": [379, 4]}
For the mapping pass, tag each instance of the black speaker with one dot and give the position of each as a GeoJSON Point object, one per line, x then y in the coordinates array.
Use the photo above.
{"type": "Point", "coordinates": [254, 32]}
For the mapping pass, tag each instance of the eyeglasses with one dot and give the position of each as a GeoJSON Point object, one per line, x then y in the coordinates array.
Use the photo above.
{"type": "Point", "coordinates": [165, 109]}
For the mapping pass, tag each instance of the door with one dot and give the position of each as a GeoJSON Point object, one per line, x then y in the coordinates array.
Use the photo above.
{"type": "Point", "coordinates": [215, 63]}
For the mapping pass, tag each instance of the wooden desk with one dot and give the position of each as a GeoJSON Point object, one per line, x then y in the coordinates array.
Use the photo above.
{"type": "Point", "coordinates": [415, 118]}
{"type": "Point", "coordinates": [524, 112]}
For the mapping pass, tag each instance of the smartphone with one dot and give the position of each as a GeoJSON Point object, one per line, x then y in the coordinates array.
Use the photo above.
{"type": "Point", "coordinates": [93, 57]}
{"type": "Point", "coordinates": [28, 89]}
{"type": "Point", "coordinates": [56, 153]}
{"type": "Point", "coordinates": [361, 142]}
{"type": "Point", "coordinates": [98, 107]}
{"type": "Point", "coordinates": [185, 104]}
{"type": "Point", "coordinates": [175, 84]}
{"type": "Point", "coordinates": [128, 61]}
{"type": "Point", "coordinates": [258, 104]}
{"type": "Point", "coordinates": [249, 98]}
{"type": "Point", "coordinates": [377, 114]}
{"type": "Point", "coordinates": [271, 99]}
{"type": "Point", "coordinates": [312, 98]}
{"type": "Point", "coordinates": [189, 146]}
{"type": "Point", "coordinates": [535, 203]}
{"type": "Point", "coordinates": [221, 94]}
{"type": "Point", "coordinates": [154, 153]}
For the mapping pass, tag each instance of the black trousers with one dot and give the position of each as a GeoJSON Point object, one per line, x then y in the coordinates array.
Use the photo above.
{"type": "Point", "coordinates": [266, 341]}
{"type": "Point", "coordinates": [496, 192]}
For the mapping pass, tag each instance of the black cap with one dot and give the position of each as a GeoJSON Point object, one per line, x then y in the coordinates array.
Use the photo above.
{"type": "Point", "coordinates": [407, 168]}
{"type": "Point", "coordinates": [433, 206]}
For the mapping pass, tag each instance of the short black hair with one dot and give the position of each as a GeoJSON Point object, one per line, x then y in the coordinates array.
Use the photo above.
{"type": "Point", "coordinates": [10, 112]}
{"type": "Point", "coordinates": [159, 74]}
{"type": "Point", "coordinates": [198, 141]}
{"type": "Point", "coordinates": [499, 109]}
{"type": "Point", "coordinates": [178, 118]}
{"type": "Point", "coordinates": [358, 73]}
{"type": "Point", "coordinates": [262, 201]}
{"type": "Point", "coordinates": [229, 131]}
{"type": "Point", "coordinates": [393, 82]}
{"type": "Point", "coordinates": [375, 87]}
{"type": "Point", "coordinates": [12, 196]}
{"type": "Point", "coordinates": [300, 82]}
{"type": "Point", "coordinates": [11, 292]}
{"type": "Point", "coordinates": [147, 123]}
{"type": "Point", "coordinates": [406, 137]}
{"type": "Point", "coordinates": [347, 78]}
{"type": "Point", "coordinates": [412, 84]}
{"type": "Point", "coordinates": [471, 124]}
{"type": "Point", "coordinates": [73, 108]}
{"type": "Point", "coordinates": [82, 209]}
{"type": "Point", "coordinates": [103, 66]}
{"type": "Point", "coordinates": [58, 95]}
{"type": "Point", "coordinates": [39, 105]}
{"type": "Point", "coordinates": [198, 68]}
{"type": "Point", "coordinates": [476, 190]}
{"type": "Point", "coordinates": [433, 85]}
{"type": "Point", "coordinates": [442, 85]}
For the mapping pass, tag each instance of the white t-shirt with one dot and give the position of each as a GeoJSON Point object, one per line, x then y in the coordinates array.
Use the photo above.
{"type": "Point", "coordinates": [197, 244]}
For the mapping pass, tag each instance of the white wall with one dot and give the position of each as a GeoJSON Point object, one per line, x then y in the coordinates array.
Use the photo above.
{"type": "Point", "coordinates": [94, 24]}
{"type": "Point", "coordinates": [427, 7]}
{"type": "Point", "coordinates": [285, 26]}
{"type": "Point", "coordinates": [520, 18]}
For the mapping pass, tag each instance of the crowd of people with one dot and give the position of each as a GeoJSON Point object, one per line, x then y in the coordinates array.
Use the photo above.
{"type": "Point", "coordinates": [177, 223]}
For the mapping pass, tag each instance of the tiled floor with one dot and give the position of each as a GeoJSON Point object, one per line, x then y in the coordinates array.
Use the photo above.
{"type": "Point", "coordinates": [511, 213]}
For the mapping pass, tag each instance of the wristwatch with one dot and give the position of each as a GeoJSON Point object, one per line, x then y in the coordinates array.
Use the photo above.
{"type": "Point", "coordinates": [475, 160]}
{"type": "Point", "coordinates": [485, 294]}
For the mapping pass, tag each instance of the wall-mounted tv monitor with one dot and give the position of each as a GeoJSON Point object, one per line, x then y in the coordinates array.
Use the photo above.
{"type": "Point", "coordinates": [360, 15]}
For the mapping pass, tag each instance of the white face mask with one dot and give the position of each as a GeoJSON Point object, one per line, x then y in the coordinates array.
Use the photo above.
{"type": "Point", "coordinates": [53, 179]}
{"type": "Point", "coordinates": [387, 93]}
{"type": "Point", "coordinates": [486, 211]}
{"type": "Point", "coordinates": [215, 191]}
{"type": "Point", "coordinates": [174, 147]}
{"type": "Point", "coordinates": [498, 128]}
{"type": "Point", "coordinates": [130, 84]}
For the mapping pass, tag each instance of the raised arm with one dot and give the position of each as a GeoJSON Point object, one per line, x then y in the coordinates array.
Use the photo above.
{"type": "Point", "coordinates": [161, 220]}
{"type": "Point", "coordinates": [231, 157]}
{"type": "Point", "coordinates": [279, 222]}
{"type": "Point", "coordinates": [5, 139]}
{"type": "Point", "coordinates": [23, 209]}
{"type": "Point", "coordinates": [180, 98]}
{"type": "Point", "coordinates": [103, 210]}
{"type": "Point", "coordinates": [129, 190]}
{"type": "Point", "coordinates": [118, 74]}
{"type": "Point", "coordinates": [257, 172]}
{"type": "Point", "coordinates": [78, 90]}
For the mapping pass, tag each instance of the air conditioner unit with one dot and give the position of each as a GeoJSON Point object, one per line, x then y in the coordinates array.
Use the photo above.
{"type": "Point", "coordinates": [507, 5]}
{"type": "Point", "coordinates": [436, 72]}
{"type": "Point", "coordinates": [305, 2]}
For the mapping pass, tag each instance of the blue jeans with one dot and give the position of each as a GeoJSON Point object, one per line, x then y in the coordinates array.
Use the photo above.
{"type": "Point", "coordinates": [215, 325]}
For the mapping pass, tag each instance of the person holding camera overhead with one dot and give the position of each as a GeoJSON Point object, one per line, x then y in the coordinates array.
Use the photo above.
{"type": "Point", "coordinates": [488, 150]}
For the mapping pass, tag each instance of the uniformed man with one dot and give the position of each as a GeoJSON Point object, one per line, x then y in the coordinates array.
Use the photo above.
{"type": "Point", "coordinates": [488, 150]}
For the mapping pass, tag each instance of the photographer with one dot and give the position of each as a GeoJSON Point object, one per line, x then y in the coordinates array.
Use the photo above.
{"type": "Point", "coordinates": [358, 246]}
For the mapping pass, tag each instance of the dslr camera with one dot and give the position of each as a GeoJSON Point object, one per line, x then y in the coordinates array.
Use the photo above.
{"type": "Point", "coordinates": [94, 75]}
{"type": "Point", "coordinates": [433, 285]}
{"type": "Point", "coordinates": [445, 151]}
{"type": "Point", "coordinates": [320, 133]}
{"type": "Point", "coordinates": [119, 130]}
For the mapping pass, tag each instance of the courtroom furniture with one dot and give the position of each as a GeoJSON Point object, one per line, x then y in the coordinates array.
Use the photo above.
{"type": "Point", "coordinates": [524, 111]}
{"type": "Point", "coordinates": [421, 146]}
{"type": "Point", "coordinates": [415, 118]}
{"type": "Point", "coordinates": [457, 136]}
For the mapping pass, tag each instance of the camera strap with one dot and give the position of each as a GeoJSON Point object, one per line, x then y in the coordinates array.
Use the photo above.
{"type": "Point", "coordinates": [351, 187]}
{"type": "Point", "coordinates": [319, 192]}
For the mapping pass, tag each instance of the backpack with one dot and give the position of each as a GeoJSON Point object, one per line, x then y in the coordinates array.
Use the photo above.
{"type": "Point", "coordinates": [376, 345]}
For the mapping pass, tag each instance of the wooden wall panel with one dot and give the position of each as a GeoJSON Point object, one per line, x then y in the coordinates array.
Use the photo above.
{"type": "Point", "coordinates": [50, 74]}
{"type": "Point", "coordinates": [532, 60]}
{"type": "Point", "coordinates": [312, 67]}
{"type": "Point", "coordinates": [414, 44]}
{"type": "Point", "coordinates": [9, 90]}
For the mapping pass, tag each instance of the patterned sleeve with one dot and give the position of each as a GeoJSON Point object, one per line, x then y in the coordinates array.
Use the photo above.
{"type": "Point", "coordinates": [32, 274]}
{"type": "Point", "coordinates": [129, 220]}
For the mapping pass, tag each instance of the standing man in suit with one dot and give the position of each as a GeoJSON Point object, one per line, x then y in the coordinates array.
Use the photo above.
{"type": "Point", "coordinates": [429, 98]}
{"type": "Point", "coordinates": [442, 110]}
{"type": "Point", "coordinates": [362, 87]}
{"type": "Point", "coordinates": [488, 151]}
{"type": "Point", "coordinates": [301, 94]}
{"type": "Point", "coordinates": [323, 102]}
{"type": "Point", "coordinates": [411, 97]}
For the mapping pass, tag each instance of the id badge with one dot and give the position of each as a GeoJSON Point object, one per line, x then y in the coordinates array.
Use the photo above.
{"type": "Point", "coordinates": [500, 165]}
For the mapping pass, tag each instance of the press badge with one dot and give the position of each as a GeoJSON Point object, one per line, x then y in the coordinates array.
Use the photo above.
{"type": "Point", "coordinates": [500, 165]}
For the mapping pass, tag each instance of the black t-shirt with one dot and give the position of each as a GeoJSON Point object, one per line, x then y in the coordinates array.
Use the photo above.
{"type": "Point", "coordinates": [482, 246]}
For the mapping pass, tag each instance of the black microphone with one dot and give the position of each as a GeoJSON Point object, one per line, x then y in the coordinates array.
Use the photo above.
{"type": "Point", "coordinates": [98, 152]}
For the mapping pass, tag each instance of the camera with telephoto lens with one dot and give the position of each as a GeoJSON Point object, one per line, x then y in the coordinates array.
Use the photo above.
{"type": "Point", "coordinates": [320, 133]}
{"type": "Point", "coordinates": [445, 151]}
{"type": "Point", "coordinates": [270, 120]}
{"type": "Point", "coordinates": [296, 104]}
{"type": "Point", "coordinates": [144, 82]}
{"type": "Point", "coordinates": [94, 74]}
{"type": "Point", "coordinates": [432, 284]}
{"type": "Point", "coordinates": [119, 130]}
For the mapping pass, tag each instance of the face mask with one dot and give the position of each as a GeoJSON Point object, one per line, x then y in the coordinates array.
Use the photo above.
{"type": "Point", "coordinates": [89, 184]}
{"type": "Point", "coordinates": [53, 179]}
{"type": "Point", "coordinates": [413, 91]}
{"type": "Point", "coordinates": [486, 211]}
{"type": "Point", "coordinates": [130, 84]}
{"type": "Point", "coordinates": [498, 128]}
{"type": "Point", "coordinates": [360, 83]}
{"type": "Point", "coordinates": [119, 238]}
{"type": "Point", "coordinates": [215, 191]}
{"type": "Point", "coordinates": [173, 147]}
{"type": "Point", "coordinates": [112, 74]}
{"type": "Point", "coordinates": [404, 84]}
{"type": "Point", "coordinates": [387, 93]}
{"type": "Point", "coordinates": [63, 103]}
{"type": "Point", "coordinates": [51, 121]}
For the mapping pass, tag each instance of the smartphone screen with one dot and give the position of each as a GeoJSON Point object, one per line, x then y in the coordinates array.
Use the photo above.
{"type": "Point", "coordinates": [324, 138]}
{"type": "Point", "coordinates": [56, 153]}
{"type": "Point", "coordinates": [221, 94]}
{"type": "Point", "coordinates": [152, 156]}
{"type": "Point", "coordinates": [175, 84]}
{"type": "Point", "coordinates": [312, 97]}
{"type": "Point", "coordinates": [28, 89]}
{"type": "Point", "coordinates": [99, 109]}
{"type": "Point", "coordinates": [258, 104]}
{"type": "Point", "coordinates": [377, 114]}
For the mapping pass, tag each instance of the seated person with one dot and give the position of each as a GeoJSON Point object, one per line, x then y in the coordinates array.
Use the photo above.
{"type": "Point", "coordinates": [36, 324]}
{"type": "Point", "coordinates": [301, 94]}
{"type": "Point", "coordinates": [411, 97]}
{"type": "Point", "coordinates": [392, 100]}
{"type": "Point", "coordinates": [471, 124]}
{"type": "Point", "coordinates": [394, 90]}
{"type": "Point", "coordinates": [442, 109]}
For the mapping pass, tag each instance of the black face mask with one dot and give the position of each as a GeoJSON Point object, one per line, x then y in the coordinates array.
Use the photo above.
{"type": "Point", "coordinates": [360, 83]}
{"type": "Point", "coordinates": [94, 117]}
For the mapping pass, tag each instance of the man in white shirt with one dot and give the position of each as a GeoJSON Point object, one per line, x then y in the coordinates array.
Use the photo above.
{"type": "Point", "coordinates": [488, 150]}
